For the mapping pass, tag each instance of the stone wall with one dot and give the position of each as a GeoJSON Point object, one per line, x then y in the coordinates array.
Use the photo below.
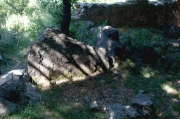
{"type": "Point", "coordinates": [133, 14]}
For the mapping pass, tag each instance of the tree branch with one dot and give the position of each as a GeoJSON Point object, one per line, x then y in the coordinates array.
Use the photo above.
{"type": "Point", "coordinates": [13, 7]}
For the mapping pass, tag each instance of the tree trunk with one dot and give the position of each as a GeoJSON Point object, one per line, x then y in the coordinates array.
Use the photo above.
{"type": "Point", "coordinates": [66, 17]}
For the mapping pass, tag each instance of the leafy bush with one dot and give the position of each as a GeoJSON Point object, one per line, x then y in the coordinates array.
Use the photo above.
{"type": "Point", "coordinates": [79, 31]}
{"type": "Point", "coordinates": [83, 32]}
{"type": "Point", "coordinates": [142, 38]}
{"type": "Point", "coordinates": [149, 47]}
{"type": "Point", "coordinates": [22, 21]}
{"type": "Point", "coordinates": [54, 8]}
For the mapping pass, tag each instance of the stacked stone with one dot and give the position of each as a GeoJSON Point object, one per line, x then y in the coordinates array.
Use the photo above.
{"type": "Point", "coordinates": [133, 14]}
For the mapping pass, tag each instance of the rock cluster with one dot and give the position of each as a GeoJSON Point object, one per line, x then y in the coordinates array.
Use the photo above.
{"type": "Point", "coordinates": [141, 108]}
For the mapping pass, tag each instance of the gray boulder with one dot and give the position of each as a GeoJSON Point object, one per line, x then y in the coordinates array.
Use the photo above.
{"type": "Point", "coordinates": [115, 111]}
{"type": "Point", "coordinates": [142, 100]}
{"type": "Point", "coordinates": [12, 85]}
{"type": "Point", "coordinates": [94, 106]}
{"type": "Point", "coordinates": [15, 89]}
{"type": "Point", "coordinates": [131, 112]}
{"type": "Point", "coordinates": [31, 93]}
{"type": "Point", "coordinates": [143, 104]}
{"type": "Point", "coordinates": [32, 96]}
{"type": "Point", "coordinates": [106, 40]}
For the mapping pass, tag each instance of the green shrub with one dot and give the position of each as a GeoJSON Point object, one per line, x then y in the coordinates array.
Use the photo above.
{"type": "Point", "coordinates": [78, 30]}
{"type": "Point", "coordinates": [22, 23]}
{"type": "Point", "coordinates": [141, 38]}
{"type": "Point", "coordinates": [143, 41]}
{"type": "Point", "coordinates": [81, 32]}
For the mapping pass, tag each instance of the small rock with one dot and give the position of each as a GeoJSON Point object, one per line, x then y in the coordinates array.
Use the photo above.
{"type": "Point", "coordinates": [131, 112]}
{"type": "Point", "coordinates": [32, 96]}
{"type": "Point", "coordinates": [103, 108]}
{"type": "Point", "coordinates": [86, 100]}
{"type": "Point", "coordinates": [146, 111]}
{"type": "Point", "coordinates": [142, 100]}
{"type": "Point", "coordinates": [116, 65]}
{"type": "Point", "coordinates": [115, 111]}
{"type": "Point", "coordinates": [94, 106]}
{"type": "Point", "coordinates": [143, 105]}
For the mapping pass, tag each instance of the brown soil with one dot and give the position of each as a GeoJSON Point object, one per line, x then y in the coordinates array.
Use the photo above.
{"type": "Point", "coordinates": [103, 88]}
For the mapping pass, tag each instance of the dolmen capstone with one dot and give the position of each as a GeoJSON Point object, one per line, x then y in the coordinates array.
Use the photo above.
{"type": "Point", "coordinates": [55, 56]}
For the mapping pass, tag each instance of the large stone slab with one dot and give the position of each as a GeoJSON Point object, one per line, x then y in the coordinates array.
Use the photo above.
{"type": "Point", "coordinates": [56, 56]}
